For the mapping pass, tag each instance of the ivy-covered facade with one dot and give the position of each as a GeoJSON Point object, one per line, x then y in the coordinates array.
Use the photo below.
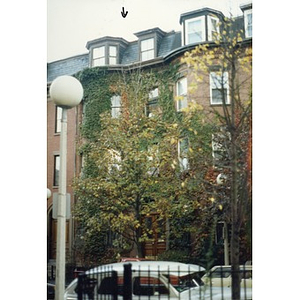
{"type": "Point", "coordinates": [113, 73]}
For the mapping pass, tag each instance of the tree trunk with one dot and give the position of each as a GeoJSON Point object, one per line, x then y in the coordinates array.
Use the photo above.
{"type": "Point", "coordinates": [235, 234]}
{"type": "Point", "coordinates": [139, 246]}
{"type": "Point", "coordinates": [138, 231]}
{"type": "Point", "coordinates": [235, 264]}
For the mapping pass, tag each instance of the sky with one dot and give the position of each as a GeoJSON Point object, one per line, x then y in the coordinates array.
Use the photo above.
{"type": "Point", "coordinates": [72, 23]}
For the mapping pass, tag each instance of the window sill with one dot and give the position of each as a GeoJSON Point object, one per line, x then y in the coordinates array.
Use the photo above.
{"type": "Point", "coordinates": [219, 104]}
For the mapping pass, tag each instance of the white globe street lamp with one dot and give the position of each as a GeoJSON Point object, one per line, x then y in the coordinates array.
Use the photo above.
{"type": "Point", "coordinates": [221, 179]}
{"type": "Point", "coordinates": [48, 193]}
{"type": "Point", "coordinates": [66, 92]}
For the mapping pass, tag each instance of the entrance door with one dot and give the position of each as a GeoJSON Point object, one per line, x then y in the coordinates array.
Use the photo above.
{"type": "Point", "coordinates": [156, 233]}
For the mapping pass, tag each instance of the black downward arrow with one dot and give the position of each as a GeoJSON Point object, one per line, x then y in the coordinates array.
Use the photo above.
{"type": "Point", "coordinates": [123, 13]}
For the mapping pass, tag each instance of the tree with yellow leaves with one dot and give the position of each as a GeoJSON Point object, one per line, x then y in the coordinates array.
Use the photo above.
{"type": "Point", "coordinates": [226, 65]}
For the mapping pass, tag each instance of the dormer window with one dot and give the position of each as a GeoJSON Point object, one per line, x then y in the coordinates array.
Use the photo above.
{"type": "Point", "coordinates": [106, 51]}
{"type": "Point", "coordinates": [195, 30]}
{"type": "Point", "coordinates": [200, 25]}
{"type": "Point", "coordinates": [112, 58]}
{"type": "Point", "coordinates": [99, 56]}
{"type": "Point", "coordinates": [248, 23]}
{"type": "Point", "coordinates": [147, 49]}
{"type": "Point", "coordinates": [148, 43]}
{"type": "Point", "coordinates": [213, 28]}
{"type": "Point", "coordinates": [247, 10]}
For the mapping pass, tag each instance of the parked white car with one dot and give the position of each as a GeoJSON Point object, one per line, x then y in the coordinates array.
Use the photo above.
{"type": "Point", "coordinates": [221, 276]}
{"type": "Point", "coordinates": [150, 280]}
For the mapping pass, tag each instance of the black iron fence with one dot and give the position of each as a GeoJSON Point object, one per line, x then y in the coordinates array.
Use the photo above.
{"type": "Point", "coordinates": [130, 284]}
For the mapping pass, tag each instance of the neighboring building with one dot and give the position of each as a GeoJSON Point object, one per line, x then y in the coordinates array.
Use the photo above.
{"type": "Point", "coordinates": [153, 48]}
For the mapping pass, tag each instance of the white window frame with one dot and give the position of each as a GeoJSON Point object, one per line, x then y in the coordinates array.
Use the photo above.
{"type": "Point", "coordinates": [112, 57]}
{"type": "Point", "coordinates": [115, 106]}
{"type": "Point", "coordinates": [246, 15]}
{"type": "Point", "coordinates": [56, 170]}
{"type": "Point", "coordinates": [181, 103]}
{"type": "Point", "coordinates": [211, 36]}
{"type": "Point", "coordinates": [98, 58]}
{"type": "Point", "coordinates": [201, 30]}
{"type": "Point", "coordinates": [217, 82]}
{"type": "Point", "coordinates": [152, 102]}
{"type": "Point", "coordinates": [182, 154]}
{"type": "Point", "coordinates": [147, 49]}
{"type": "Point", "coordinates": [58, 115]}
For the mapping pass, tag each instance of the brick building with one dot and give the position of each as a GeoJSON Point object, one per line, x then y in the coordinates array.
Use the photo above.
{"type": "Point", "coordinates": [153, 48]}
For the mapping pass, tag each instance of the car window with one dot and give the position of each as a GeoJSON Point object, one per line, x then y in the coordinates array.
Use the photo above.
{"type": "Point", "coordinates": [88, 286]}
{"type": "Point", "coordinates": [149, 286]}
{"type": "Point", "coordinates": [220, 273]}
{"type": "Point", "coordinates": [108, 286]}
{"type": "Point", "coordinates": [182, 283]}
{"type": "Point", "coordinates": [247, 274]}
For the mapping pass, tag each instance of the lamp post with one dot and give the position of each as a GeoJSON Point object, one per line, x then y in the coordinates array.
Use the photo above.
{"type": "Point", "coordinates": [66, 92]}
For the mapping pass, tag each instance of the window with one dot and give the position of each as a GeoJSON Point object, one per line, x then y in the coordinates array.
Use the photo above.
{"type": "Point", "coordinates": [115, 106]}
{"type": "Point", "coordinates": [220, 148]}
{"type": "Point", "coordinates": [222, 272]}
{"type": "Point", "coordinates": [108, 286]}
{"type": "Point", "coordinates": [112, 59]}
{"type": "Point", "coordinates": [99, 56]}
{"type": "Point", "coordinates": [152, 104]}
{"type": "Point", "coordinates": [58, 113]}
{"type": "Point", "coordinates": [183, 146]}
{"type": "Point", "coordinates": [114, 159]}
{"type": "Point", "coordinates": [195, 30]}
{"type": "Point", "coordinates": [147, 49]}
{"type": "Point", "coordinates": [248, 23]}
{"type": "Point", "coordinates": [219, 88]}
{"type": "Point", "coordinates": [153, 160]}
{"type": "Point", "coordinates": [56, 170]}
{"type": "Point", "coordinates": [213, 28]}
{"type": "Point", "coordinates": [181, 92]}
